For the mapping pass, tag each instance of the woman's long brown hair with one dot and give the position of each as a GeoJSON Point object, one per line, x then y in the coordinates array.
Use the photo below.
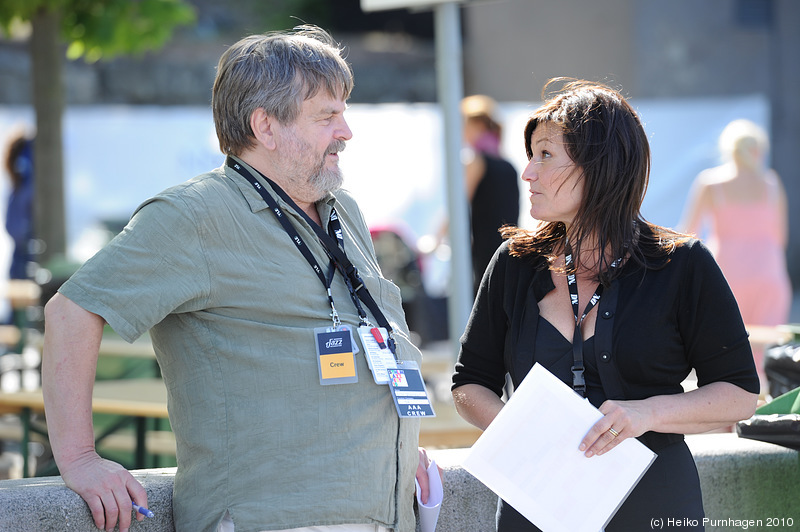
{"type": "Point", "coordinates": [605, 139]}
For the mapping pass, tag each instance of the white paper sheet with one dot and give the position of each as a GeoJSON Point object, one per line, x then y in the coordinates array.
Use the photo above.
{"type": "Point", "coordinates": [529, 457]}
{"type": "Point", "coordinates": [429, 512]}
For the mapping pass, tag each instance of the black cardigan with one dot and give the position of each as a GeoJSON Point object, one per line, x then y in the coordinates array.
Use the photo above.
{"type": "Point", "coordinates": [653, 327]}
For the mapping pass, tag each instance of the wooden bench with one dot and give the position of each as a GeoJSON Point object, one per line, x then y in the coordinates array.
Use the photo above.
{"type": "Point", "coordinates": [140, 399]}
{"type": "Point", "coordinates": [157, 442]}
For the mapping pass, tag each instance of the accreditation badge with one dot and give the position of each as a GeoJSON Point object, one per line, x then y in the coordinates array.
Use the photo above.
{"type": "Point", "coordinates": [408, 390]}
{"type": "Point", "coordinates": [337, 361]}
{"type": "Point", "coordinates": [379, 356]}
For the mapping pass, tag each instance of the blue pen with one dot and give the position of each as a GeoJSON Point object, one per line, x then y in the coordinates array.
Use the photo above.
{"type": "Point", "coordinates": [144, 511]}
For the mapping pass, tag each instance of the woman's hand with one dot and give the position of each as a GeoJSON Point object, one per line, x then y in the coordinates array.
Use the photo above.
{"type": "Point", "coordinates": [710, 407]}
{"type": "Point", "coordinates": [621, 420]}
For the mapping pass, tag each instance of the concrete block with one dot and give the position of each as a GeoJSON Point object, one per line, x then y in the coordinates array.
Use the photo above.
{"type": "Point", "coordinates": [746, 480]}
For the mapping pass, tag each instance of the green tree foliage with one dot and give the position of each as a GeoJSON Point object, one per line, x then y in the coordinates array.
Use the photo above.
{"type": "Point", "coordinates": [91, 29]}
{"type": "Point", "coordinates": [94, 29]}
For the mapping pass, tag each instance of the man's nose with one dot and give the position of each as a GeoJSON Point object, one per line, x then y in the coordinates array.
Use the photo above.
{"type": "Point", "coordinates": [343, 131]}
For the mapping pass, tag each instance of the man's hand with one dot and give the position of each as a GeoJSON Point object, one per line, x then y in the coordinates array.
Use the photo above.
{"type": "Point", "coordinates": [108, 489]}
{"type": "Point", "coordinates": [422, 475]}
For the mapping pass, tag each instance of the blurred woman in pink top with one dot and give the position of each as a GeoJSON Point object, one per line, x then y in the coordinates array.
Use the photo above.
{"type": "Point", "coordinates": [744, 205]}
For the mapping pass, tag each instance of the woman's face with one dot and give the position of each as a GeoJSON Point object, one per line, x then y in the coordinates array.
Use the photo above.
{"type": "Point", "coordinates": [473, 129]}
{"type": "Point", "coordinates": [555, 182]}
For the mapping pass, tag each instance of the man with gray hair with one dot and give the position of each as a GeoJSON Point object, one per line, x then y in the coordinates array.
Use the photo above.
{"type": "Point", "coordinates": [244, 276]}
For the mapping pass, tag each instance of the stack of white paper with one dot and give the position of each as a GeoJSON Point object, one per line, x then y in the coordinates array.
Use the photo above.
{"type": "Point", "coordinates": [529, 457]}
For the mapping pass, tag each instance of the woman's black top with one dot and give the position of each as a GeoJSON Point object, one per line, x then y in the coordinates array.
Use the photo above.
{"type": "Point", "coordinates": [653, 327]}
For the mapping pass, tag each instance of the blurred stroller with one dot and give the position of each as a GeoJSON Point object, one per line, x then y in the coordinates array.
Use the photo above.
{"type": "Point", "coordinates": [400, 262]}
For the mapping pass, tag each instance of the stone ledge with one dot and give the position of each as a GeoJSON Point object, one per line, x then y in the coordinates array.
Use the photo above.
{"type": "Point", "coordinates": [746, 479]}
{"type": "Point", "coordinates": [741, 479]}
{"type": "Point", "coordinates": [45, 504]}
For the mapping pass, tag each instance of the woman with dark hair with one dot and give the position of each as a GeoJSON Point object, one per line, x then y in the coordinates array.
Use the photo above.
{"type": "Point", "coordinates": [618, 308]}
{"type": "Point", "coordinates": [19, 212]}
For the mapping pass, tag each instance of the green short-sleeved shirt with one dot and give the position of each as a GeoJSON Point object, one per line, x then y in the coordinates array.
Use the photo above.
{"type": "Point", "coordinates": [231, 306]}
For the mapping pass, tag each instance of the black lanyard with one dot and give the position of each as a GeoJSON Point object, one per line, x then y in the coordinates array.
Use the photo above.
{"type": "Point", "coordinates": [578, 381]}
{"type": "Point", "coordinates": [333, 244]}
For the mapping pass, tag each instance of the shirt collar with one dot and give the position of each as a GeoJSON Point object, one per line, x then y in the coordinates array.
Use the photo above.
{"type": "Point", "coordinates": [255, 200]}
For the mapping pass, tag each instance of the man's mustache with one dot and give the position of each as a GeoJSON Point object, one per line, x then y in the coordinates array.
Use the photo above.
{"type": "Point", "coordinates": [336, 146]}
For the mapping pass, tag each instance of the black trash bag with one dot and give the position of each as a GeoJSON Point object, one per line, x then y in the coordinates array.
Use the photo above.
{"type": "Point", "coordinates": [782, 367]}
{"type": "Point", "coordinates": [780, 429]}
{"type": "Point", "coordinates": [776, 422]}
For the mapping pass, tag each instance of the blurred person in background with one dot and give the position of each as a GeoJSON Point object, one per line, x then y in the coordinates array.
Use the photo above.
{"type": "Point", "coordinates": [491, 181]}
{"type": "Point", "coordinates": [743, 204]}
{"type": "Point", "coordinates": [19, 211]}
{"type": "Point", "coordinates": [237, 276]}
{"type": "Point", "coordinates": [619, 309]}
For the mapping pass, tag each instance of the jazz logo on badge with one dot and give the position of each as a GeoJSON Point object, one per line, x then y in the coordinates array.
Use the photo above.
{"type": "Point", "coordinates": [333, 343]}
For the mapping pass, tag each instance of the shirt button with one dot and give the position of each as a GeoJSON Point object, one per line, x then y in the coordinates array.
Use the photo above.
{"type": "Point", "coordinates": [607, 314]}
{"type": "Point", "coordinates": [605, 356]}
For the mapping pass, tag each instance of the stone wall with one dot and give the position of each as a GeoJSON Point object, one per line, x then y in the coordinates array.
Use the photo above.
{"type": "Point", "coordinates": [743, 481]}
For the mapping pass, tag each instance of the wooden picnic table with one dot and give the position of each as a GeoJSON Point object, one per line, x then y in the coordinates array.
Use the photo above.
{"type": "Point", "coordinates": [140, 399]}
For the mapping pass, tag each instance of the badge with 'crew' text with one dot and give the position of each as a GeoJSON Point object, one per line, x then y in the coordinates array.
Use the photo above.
{"type": "Point", "coordinates": [337, 361]}
{"type": "Point", "coordinates": [408, 390]}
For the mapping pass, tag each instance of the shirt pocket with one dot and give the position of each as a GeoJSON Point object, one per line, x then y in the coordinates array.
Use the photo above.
{"type": "Point", "coordinates": [387, 296]}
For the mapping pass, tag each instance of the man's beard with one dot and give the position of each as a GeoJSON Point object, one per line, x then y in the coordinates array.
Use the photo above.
{"type": "Point", "coordinates": [314, 178]}
{"type": "Point", "coordinates": [324, 180]}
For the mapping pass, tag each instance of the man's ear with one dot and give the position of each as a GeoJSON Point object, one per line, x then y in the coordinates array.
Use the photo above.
{"type": "Point", "coordinates": [263, 127]}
